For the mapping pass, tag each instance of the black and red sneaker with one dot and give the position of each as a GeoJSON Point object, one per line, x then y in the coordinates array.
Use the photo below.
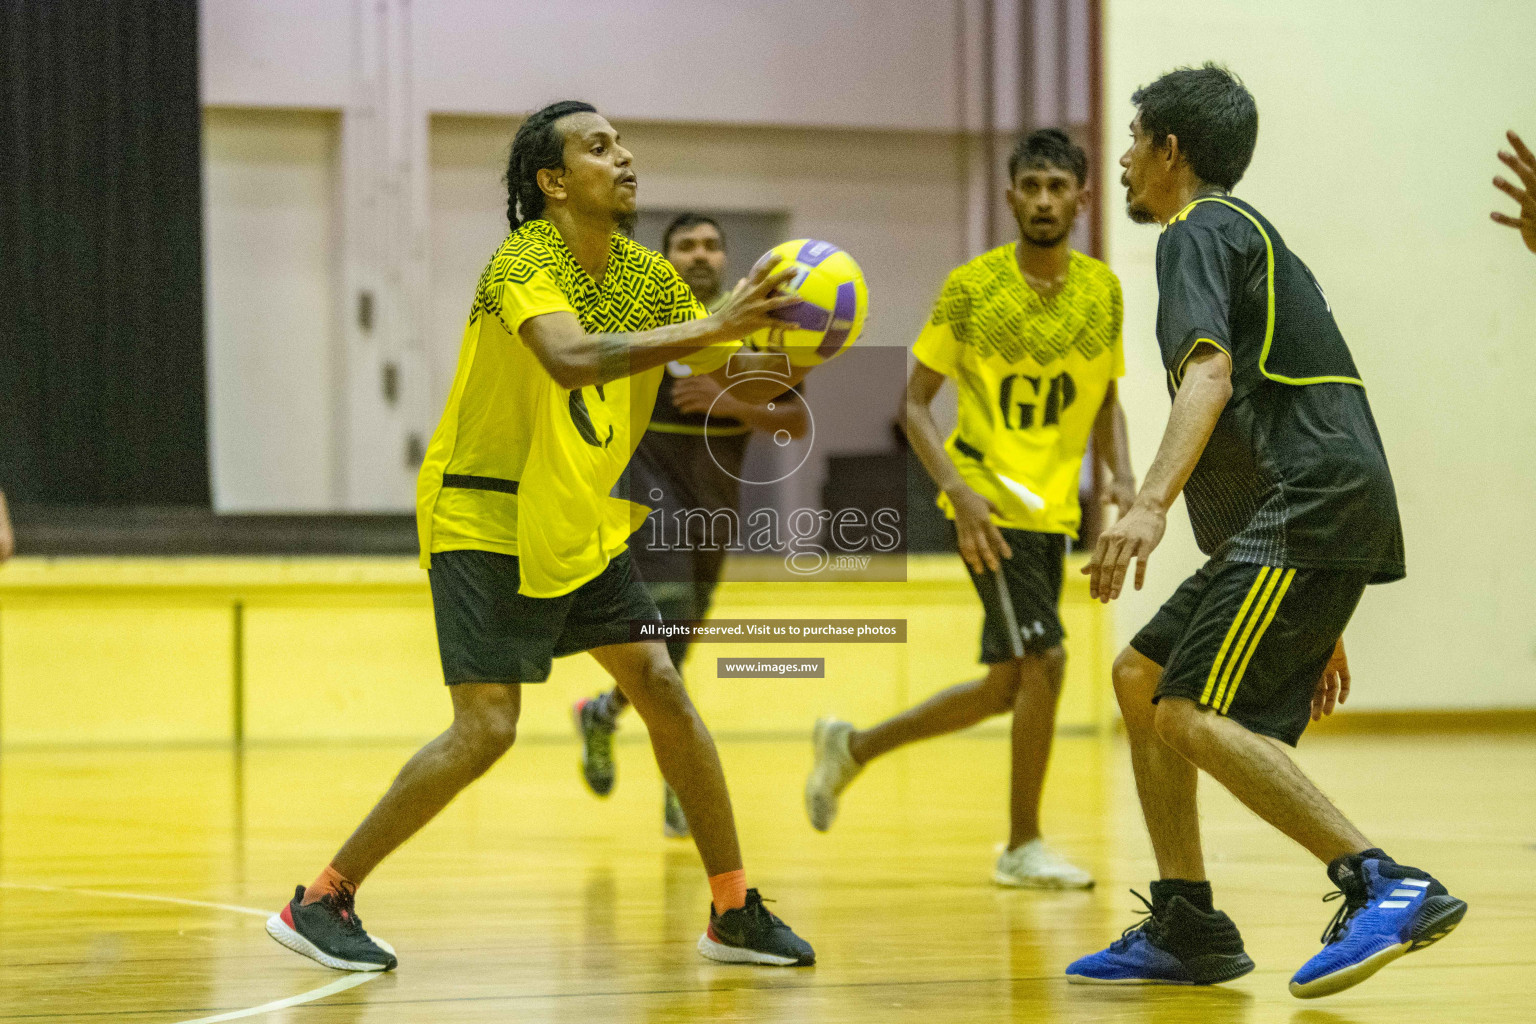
{"type": "Point", "coordinates": [753, 935]}
{"type": "Point", "coordinates": [328, 932]}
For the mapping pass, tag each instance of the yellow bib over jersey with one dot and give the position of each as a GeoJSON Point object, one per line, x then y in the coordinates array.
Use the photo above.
{"type": "Point", "coordinates": [522, 466]}
{"type": "Point", "coordinates": [1032, 374]}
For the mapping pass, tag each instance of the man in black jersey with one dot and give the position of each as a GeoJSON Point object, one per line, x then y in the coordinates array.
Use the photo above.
{"type": "Point", "coordinates": [686, 480]}
{"type": "Point", "coordinates": [1272, 443]}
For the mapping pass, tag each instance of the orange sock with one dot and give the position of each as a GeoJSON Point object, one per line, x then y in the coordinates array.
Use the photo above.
{"type": "Point", "coordinates": [729, 890]}
{"type": "Point", "coordinates": [329, 881]}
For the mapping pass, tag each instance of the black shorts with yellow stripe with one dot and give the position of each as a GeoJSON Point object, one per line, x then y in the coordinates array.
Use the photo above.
{"type": "Point", "coordinates": [1250, 641]}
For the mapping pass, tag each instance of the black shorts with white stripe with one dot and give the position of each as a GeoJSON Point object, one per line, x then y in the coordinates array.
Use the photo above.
{"type": "Point", "coordinates": [1029, 597]}
{"type": "Point", "coordinates": [1250, 641]}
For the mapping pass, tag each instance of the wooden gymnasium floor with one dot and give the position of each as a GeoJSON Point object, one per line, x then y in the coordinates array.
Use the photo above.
{"type": "Point", "coordinates": [133, 885]}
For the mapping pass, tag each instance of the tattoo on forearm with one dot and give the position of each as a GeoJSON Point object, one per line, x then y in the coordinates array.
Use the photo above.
{"type": "Point", "coordinates": [612, 358]}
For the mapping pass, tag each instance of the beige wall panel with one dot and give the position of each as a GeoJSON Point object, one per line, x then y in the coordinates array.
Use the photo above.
{"type": "Point", "coordinates": [270, 243]}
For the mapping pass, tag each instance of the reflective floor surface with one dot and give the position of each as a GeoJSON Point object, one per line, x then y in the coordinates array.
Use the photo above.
{"type": "Point", "coordinates": [134, 882]}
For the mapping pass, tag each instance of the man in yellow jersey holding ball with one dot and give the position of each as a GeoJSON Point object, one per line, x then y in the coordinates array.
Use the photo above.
{"type": "Point", "coordinates": [690, 461]}
{"type": "Point", "coordinates": [571, 325]}
{"type": "Point", "coordinates": [1030, 333]}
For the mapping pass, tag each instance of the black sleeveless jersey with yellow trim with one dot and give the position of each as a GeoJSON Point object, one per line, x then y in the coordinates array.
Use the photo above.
{"type": "Point", "coordinates": [1294, 473]}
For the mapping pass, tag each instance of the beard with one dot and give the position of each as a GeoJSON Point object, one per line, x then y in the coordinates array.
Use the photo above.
{"type": "Point", "coordinates": [625, 222]}
{"type": "Point", "coordinates": [1046, 241]}
{"type": "Point", "coordinates": [1134, 208]}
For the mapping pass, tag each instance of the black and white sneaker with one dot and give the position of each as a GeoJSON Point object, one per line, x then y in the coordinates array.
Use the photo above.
{"type": "Point", "coordinates": [329, 932]}
{"type": "Point", "coordinates": [753, 935]}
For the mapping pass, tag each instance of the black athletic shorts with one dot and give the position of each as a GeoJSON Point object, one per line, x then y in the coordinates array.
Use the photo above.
{"type": "Point", "coordinates": [1251, 641]}
{"type": "Point", "coordinates": [1032, 582]}
{"type": "Point", "coordinates": [685, 602]}
{"type": "Point", "coordinates": [489, 633]}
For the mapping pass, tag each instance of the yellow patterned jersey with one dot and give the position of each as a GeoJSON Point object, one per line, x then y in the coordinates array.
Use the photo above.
{"type": "Point", "coordinates": [1032, 375]}
{"type": "Point", "coordinates": [521, 466]}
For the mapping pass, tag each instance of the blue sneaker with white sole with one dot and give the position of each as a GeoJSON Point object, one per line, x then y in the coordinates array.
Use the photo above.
{"type": "Point", "coordinates": [1175, 944]}
{"type": "Point", "coordinates": [1389, 910]}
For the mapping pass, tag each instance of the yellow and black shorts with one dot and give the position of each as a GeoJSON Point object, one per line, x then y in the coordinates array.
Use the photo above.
{"type": "Point", "coordinates": [1250, 641]}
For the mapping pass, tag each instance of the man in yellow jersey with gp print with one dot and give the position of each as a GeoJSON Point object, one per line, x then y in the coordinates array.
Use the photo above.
{"type": "Point", "coordinates": [1030, 333]}
{"type": "Point", "coordinates": [570, 329]}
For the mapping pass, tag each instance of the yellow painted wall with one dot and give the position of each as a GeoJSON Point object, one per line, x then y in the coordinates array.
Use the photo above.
{"type": "Point", "coordinates": [116, 668]}
{"type": "Point", "coordinates": [155, 650]}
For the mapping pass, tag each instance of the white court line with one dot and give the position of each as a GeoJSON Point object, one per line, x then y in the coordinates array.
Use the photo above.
{"type": "Point", "coordinates": [139, 896]}
{"type": "Point", "coordinates": [339, 985]}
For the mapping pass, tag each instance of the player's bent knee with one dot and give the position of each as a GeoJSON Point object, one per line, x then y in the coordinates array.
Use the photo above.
{"type": "Point", "coordinates": [486, 731]}
{"type": "Point", "coordinates": [1053, 664]}
{"type": "Point", "coordinates": [1135, 677]}
{"type": "Point", "coordinates": [493, 735]}
{"type": "Point", "coordinates": [659, 691]}
{"type": "Point", "coordinates": [1177, 720]}
{"type": "Point", "coordinates": [1001, 687]}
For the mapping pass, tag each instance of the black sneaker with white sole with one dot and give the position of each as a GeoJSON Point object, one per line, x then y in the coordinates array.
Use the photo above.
{"type": "Point", "coordinates": [753, 935]}
{"type": "Point", "coordinates": [328, 932]}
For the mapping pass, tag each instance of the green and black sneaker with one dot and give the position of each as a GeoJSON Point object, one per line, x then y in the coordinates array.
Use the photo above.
{"type": "Point", "coordinates": [674, 823]}
{"type": "Point", "coordinates": [753, 935]}
{"type": "Point", "coordinates": [596, 732]}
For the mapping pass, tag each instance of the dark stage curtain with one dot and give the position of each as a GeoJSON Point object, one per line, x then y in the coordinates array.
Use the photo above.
{"type": "Point", "coordinates": [102, 382]}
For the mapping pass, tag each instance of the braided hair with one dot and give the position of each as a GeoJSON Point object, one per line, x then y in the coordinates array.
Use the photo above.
{"type": "Point", "coordinates": [536, 146]}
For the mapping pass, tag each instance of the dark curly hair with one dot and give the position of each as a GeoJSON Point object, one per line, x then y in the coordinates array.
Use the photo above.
{"type": "Point", "coordinates": [1213, 115]}
{"type": "Point", "coordinates": [1049, 147]}
{"type": "Point", "coordinates": [536, 146]}
{"type": "Point", "coordinates": [684, 221]}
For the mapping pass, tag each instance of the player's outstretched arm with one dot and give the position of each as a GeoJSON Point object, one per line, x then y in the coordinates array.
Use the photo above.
{"type": "Point", "coordinates": [708, 394]}
{"type": "Point", "coordinates": [576, 359]}
{"type": "Point", "coordinates": [981, 543]}
{"type": "Point", "coordinates": [1204, 392]}
{"type": "Point", "coordinates": [759, 388]}
{"type": "Point", "coordinates": [1523, 162]}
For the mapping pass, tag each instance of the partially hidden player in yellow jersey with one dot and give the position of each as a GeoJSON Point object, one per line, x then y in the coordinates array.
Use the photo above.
{"type": "Point", "coordinates": [1030, 334]}
{"type": "Point", "coordinates": [571, 327]}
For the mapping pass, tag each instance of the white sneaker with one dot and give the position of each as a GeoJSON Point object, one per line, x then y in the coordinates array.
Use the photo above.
{"type": "Point", "coordinates": [833, 769]}
{"type": "Point", "coordinates": [1036, 866]}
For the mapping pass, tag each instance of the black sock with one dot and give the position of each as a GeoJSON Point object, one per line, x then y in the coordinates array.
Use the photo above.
{"type": "Point", "coordinates": [1345, 871]}
{"type": "Point", "coordinates": [1196, 894]}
